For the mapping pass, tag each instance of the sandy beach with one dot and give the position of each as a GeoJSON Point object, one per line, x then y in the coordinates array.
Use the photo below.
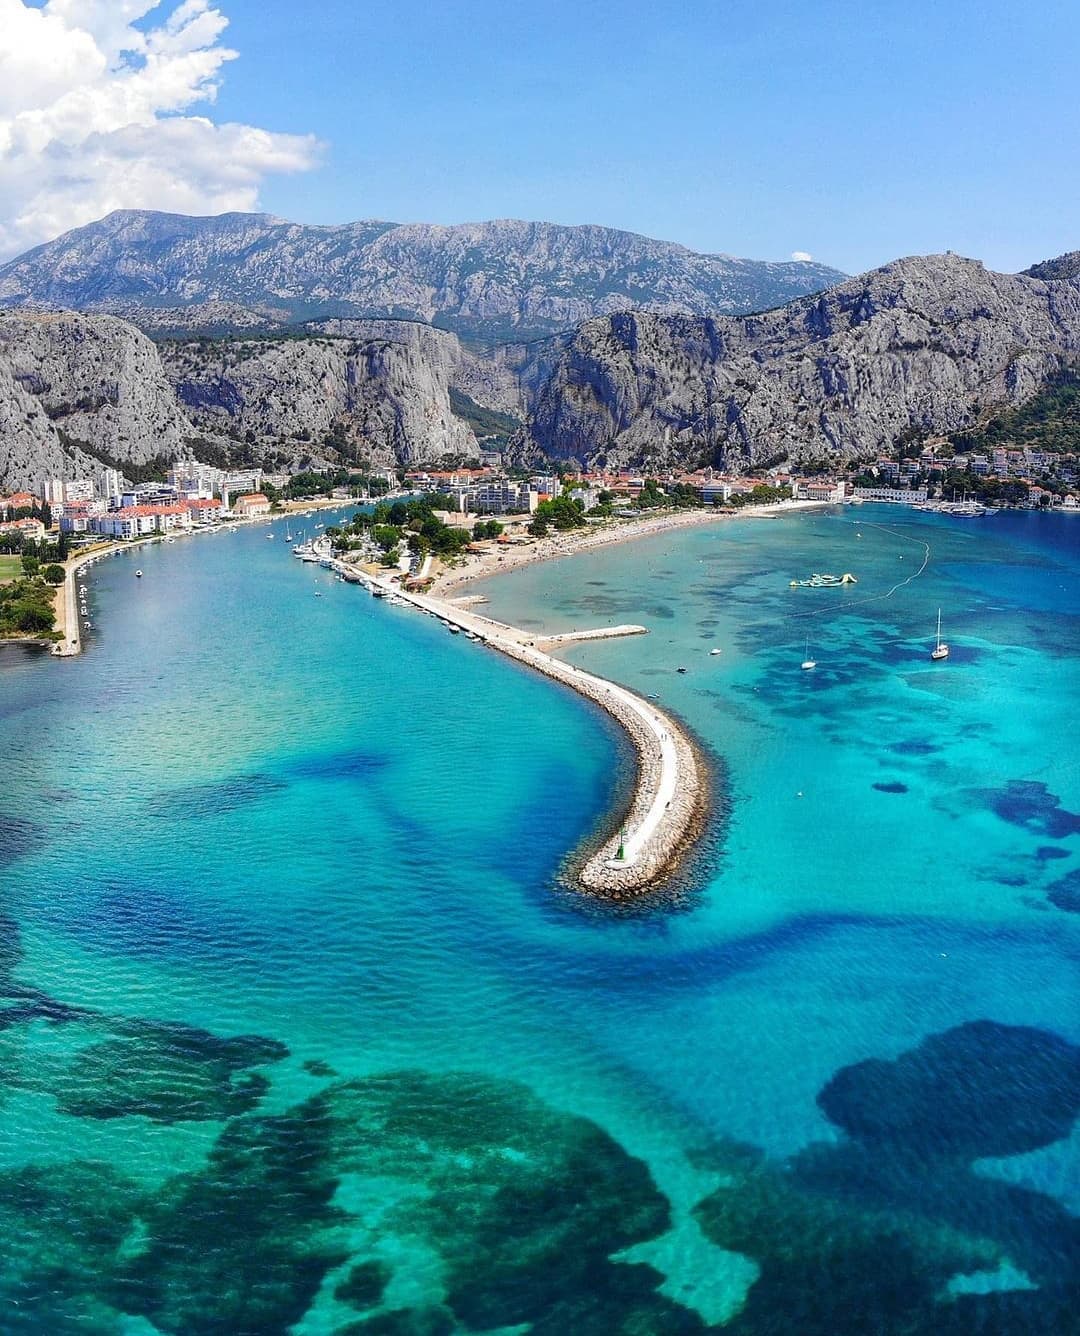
{"type": "Point", "coordinates": [524, 550]}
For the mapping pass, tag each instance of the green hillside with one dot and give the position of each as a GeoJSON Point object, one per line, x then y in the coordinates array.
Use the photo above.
{"type": "Point", "coordinates": [1049, 422]}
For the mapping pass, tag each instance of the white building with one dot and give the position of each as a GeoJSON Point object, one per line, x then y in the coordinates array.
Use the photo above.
{"type": "Point", "coordinates": [75, 516]}
{"type": "Point", "coordinates": [135, 521]}
{"type": "Point", "coordinates": [204, 509]}
{"type": "Point", "coordinates": [497, 496]}
{"type": "Point", "coordinates": [547, 484]}
{"type": "Point", "coordinates": [55, 491]}
{"type": "Point", "coordinates": [904, 496]}
{"type": "Point", "coordinates": [819, 489]}
{"type": "Point", "coordinates": [149, 494]}
{"type": "Point", "coordinates": [243, 480]}
{"type": "Point", "coordinates": [109, 485]}
{"type": "Point", "coordinates": [588, 496]}
{"type": "Point", "coordinates": [193, 480]}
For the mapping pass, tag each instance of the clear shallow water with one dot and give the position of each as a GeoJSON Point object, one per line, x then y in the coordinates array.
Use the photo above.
{"type": "Point", "coordinates": [328, 827]}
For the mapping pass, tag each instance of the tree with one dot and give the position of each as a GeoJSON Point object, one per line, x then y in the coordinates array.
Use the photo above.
{"type": "Point", "coordinates": [563, 512]}
{"type": "Point", "coordinates": [650, 495]}
{"type": "Point", "coordinates": [487, 529]}
{"type": "Point", "coordinates": [387, 536]}
{"type": "Point", "coordinates": [53, 575]}
{"type": "Point", "coordinates": [30, 565]}
{"type": "Point", "coordinates": [33, 617]}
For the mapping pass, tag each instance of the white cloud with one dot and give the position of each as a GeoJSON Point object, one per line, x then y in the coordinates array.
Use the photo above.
{"type": "Point", "coordinates": [92, 117]}
{"type": "Point", "coordinates": [801, 255]}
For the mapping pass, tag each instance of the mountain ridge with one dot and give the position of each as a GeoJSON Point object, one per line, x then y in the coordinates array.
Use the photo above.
{"type": "Point", "coordinates": [505, 279]}
{"type": "Point", "coordinates": [924, 344]}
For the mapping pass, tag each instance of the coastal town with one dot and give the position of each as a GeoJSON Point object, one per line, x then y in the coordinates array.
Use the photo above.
{"type": "Point", "coordinates": [479, 516]}
{"type": "Point", "coordinates": [195, 495]}
{"type": "Point", "coordinates": [417, 536]}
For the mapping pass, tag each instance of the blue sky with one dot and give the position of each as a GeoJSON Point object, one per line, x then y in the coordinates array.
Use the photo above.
{"type": "Point", "coordinates": [851, 129]}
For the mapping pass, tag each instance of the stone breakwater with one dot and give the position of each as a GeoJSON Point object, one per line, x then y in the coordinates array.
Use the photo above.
{"type": "Point", "coordinates": [683, 818]}
{"type": "Point", "coordinates": [670, 799]}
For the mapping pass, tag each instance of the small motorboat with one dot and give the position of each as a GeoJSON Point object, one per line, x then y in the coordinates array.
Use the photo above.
{"type": "Point", "coordinates": [138, 575]}
{"type": "Point", "coordinates": [713, 652]}
{"type": "Point", "coordinates": [680, 670]}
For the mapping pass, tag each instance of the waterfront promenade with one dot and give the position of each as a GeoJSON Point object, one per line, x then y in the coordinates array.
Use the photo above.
{"type": "Point", "coordinates": [67, 610]}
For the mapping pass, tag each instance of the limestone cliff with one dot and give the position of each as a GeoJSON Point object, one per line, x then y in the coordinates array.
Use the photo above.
{"type": "Point", "coordinates": [382, 395]}
{"type": "Point", "coordinates": [76, 390]}
{"type": "Point", "coordinates": [929, 343]}
{"type": "Point", "coordinates": [79, 391]}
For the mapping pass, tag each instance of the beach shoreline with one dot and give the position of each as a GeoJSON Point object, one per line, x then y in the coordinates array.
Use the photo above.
{"type": "Point", "coordinates": [500, 560]}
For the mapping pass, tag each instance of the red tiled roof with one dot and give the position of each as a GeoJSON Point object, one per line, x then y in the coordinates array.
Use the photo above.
{"type": "Point", "coordinates": [130, 512]}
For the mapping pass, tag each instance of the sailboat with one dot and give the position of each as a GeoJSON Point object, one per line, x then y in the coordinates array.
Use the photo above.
{"type": "Point", "coordinates": [940, 650]}
{"type": "Point", "coordinates": [808, 662]}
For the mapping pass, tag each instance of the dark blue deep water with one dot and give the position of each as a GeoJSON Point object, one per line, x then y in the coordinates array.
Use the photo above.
{"type": "Point", "coordinates": [298, 1032]}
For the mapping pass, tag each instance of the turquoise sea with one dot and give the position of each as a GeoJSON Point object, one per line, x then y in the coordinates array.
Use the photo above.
{"type": "Point", "coordinates": [299, 1034]}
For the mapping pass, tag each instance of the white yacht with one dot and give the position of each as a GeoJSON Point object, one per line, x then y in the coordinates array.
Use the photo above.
{"type": "Point", "coordinates": [940, 650]}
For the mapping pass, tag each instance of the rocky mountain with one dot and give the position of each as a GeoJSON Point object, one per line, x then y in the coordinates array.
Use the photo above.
{"type": "Point", "coordinates": [377, 392]}
{"type": "Point", "coordinates": [81, 391]}
{"type": "Point", "coordinates": [78, 391]}
{"type": "Point", "coordinates": [928, 343]}
{"type": "Point", "coordinates": [490, 281]}
{"type": "Point", "coordinates": [1062, 266]}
